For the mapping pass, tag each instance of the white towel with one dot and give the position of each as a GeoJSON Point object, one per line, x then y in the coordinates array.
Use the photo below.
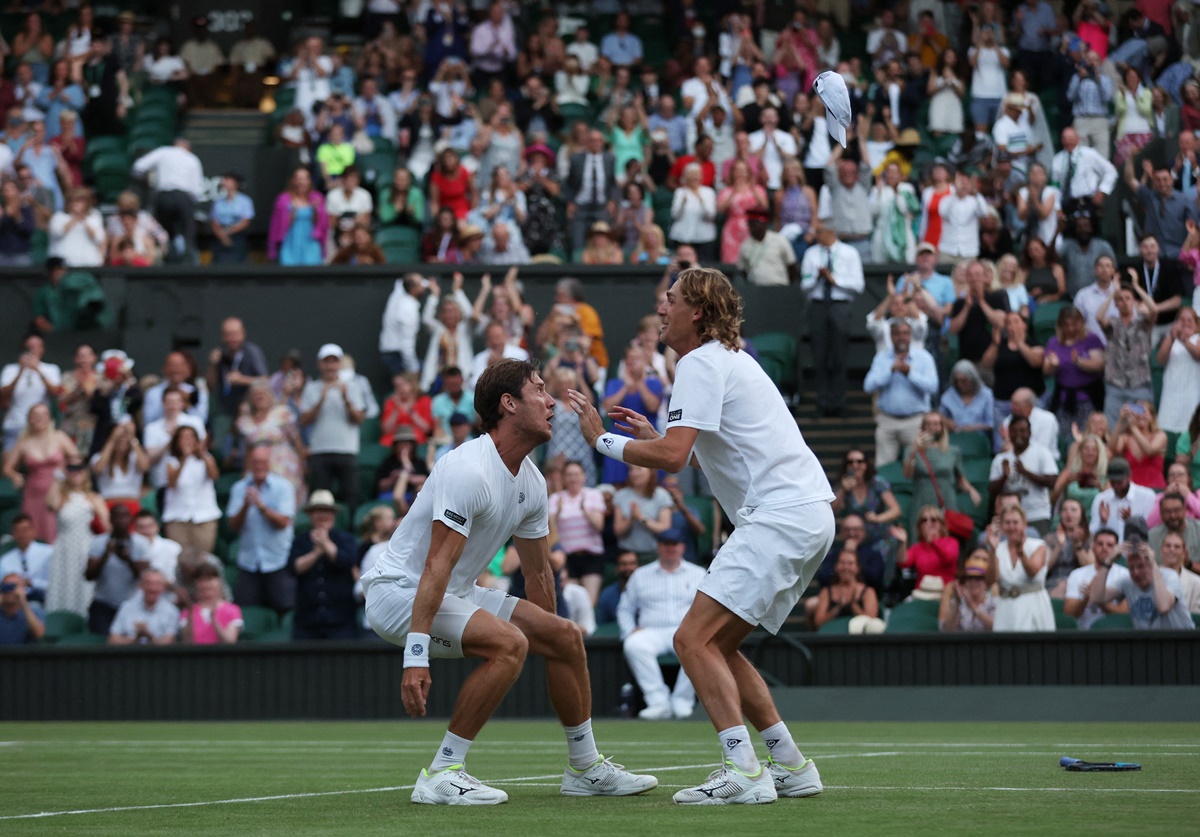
{"type": "Point", "coordinates": [831, 87]}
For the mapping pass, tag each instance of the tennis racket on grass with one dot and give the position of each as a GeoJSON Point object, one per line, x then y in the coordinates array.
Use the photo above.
{"type": "Point", "coordinates": [1080, 766]}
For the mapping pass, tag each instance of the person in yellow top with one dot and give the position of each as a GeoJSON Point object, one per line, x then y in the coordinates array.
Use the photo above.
{"type": "Point", "coordinates": [335, 154]}
{"type": "Point", "coordinates": [570, 292]}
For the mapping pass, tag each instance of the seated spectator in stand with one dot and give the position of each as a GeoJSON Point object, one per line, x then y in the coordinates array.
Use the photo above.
{"type": "Point", "coordinates": [1173, 510]}
{"type": "Point", "coordinates": [1121, 501]}
{"type": "Point", "coordinates": [1085, 474]}
{"type": "Point", "coordinates": [694, 215]}
{"type": "Point", "coordinates": [77, 235]}
{"type": "Point", "coordinates": [497, 348]}
{"type": "Point", "coordinates": [602, 247]}
{"type": "Point", "coordinates": [1179, 481]}
{"type": "Point", "coordinates": [932, 458]}
{"type": "Point", "coordinates": [1043, 426]}
{"type": "Point", "coordinates": [249, 59]}
{"type": "Point", "coordinates": [348, 205]}
{"type": "Point", "coordinates": [261, 509]}
{"type": "Point", "coordinates": [973, 316]}
{"type": "Point", "coordinates": [178, 372]}
{"type": "Point", "coordinates": [1155, 595]}
{"type": "Point", "coordinates": [968, 603]}
{"type": "Point", "coordinates": [1016, 361]}
{"type": "Point", "coordinates": [847, 596]}
{"type": "Point", "coordinates": [189, 508]}
{"type": "Point", "coordinates": [299, 224]}
{"type": "Point", "coordinates": [402, 474]}
{"type": "Point", "coordinates": [407, 407]}
{"type": "Point", "coordinates": [20, 623]}
{"type": "Point", "coordinates": [131, 247]}
{"type": "Point", "coordinates": [16, 226]}
{"type": "Point", "coordinates": [460, 434]}
{"type": "Point", "coordinates": [203, 58]}
{"type": "Point", "coordinates": [578, 516]}
{"type": "Point", "coordinates": [334, 410]}
{"type": "Point", "coordinates": [323, 560]}
{"type": "Point", "coordinates": [503, 248]}
{"type": "Point", "coordinates": [1068, 547]}
{"type": "Point", "coordinates": [610, 596]}
{"type": "Point", "coordinates": [1027, 470]}
{"type": "Point", "coordinates": [361, 248]}
{"type": "Point", "coordinates": [454, 398]}
{"type": "Point", "coordinates": [641, 510]}
{"type": "Point", "coordinates": [935, 551]}
{"type": "Point", "coordinates": [164, 553]}
{"type": "Point", "coordinates": [861, 492]}
{"type": "Point", "coordinates": [1079, 254]}
{"type": "Point", "coordinates": [146, 617]}
{"type": "Point", "coordinates": [441, 245]}
{"type": "Point", "coordinates": [967, 405]}
{"type": "Point", "coordinates": [210, 620]}
{"type": "Point", "coordinates": [116, 560]}
{"type": "Point", "coordinates": [650, 611]}
{"type": "Point", "coordinates": [30, 558]}
{"type": "Point", "coordinates": [451, 186]}
{"type": "Point", "coordinates": [1079, 582]}
{"type": "Point", "coordinates": [334, 156]}
{"type": "Point", "coordinates": [401, 203]}
{"type": "Point", "coordinates": [905, 379]}
{"type": "Point", "coordinates": [1173, 555]}
{"type": "Point", "coordinates": [875, 567]}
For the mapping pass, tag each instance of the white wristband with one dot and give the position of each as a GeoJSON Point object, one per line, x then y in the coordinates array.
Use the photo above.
{"type": "Point", "coordinates": [612, 445]}
{"type": "Point", "coordinates": [416, 650]}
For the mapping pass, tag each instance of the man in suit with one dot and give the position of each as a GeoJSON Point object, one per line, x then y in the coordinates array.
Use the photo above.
{"type": "Point", "coordinates": [831, 276]}
{"type": "Point", "coordinates": [592, 191]}
{"type": "Point", "coordinates": [1163, 279]}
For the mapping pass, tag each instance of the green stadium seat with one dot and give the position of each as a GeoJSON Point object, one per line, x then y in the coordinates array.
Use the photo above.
{"type": "Point", "coordinates": [575, 113]}
{"type": "Point", "coordinates": [231, 576]}
{"type": "Point", "coordinates": [893, 472]}
{"type": "Point", "coordinates": [1045, 316]}
{"type": "Point", "coordinates": [110, 161]}
{"type": "Point", "coordinates": [82, 639]}
{"type": "Point", "coordinates": [977, 471]}
{"type": "Point", "coordinates": [371, 455]}
{"type": "Point", "coordinates": [369, 432]}
{"type": "Point", "coordinates": [224, 485]}
{"type": "Point", "coordinates": [777, 356]}
{"type": "Point", "coordinates": [1113, 622]}
{"type": "Point", "coordinates": [972, 445]}
{"type": "Point", "coordinates": [61, 623]}
{"type": "Point", "coordinates": [276, 635]}
{"type": "Point", "coordinates": [377, 167]}
{"type": "Point", "coordinates": [841, 625]}
{"type": "Point", "coordinates": [258, 621]}
{"type": "Point", "coordinates": [112, 183]}
{"type": "Point", "coordinates": [1063, 622]}
{"type": "Point", "coordinates": [407, 236]}
{"type": "Point", "coordinates": [105, 145]}
{"type": "Point", "coordinates": [913, 617]}
{"type": "Point", "coordinates": [9, 495]}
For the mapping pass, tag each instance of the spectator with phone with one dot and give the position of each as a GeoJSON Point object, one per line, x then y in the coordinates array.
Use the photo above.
{"type": "Point", "coordinates": [116, 562]}
{"type": "Point", "coordinates": [19, 622]}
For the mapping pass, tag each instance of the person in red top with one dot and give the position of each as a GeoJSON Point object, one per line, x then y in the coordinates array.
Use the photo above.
{"type": "Point", "coordinates": [935, 552]}
{"type": "Point", "coordinates": [451, 185]}
{"type": "Point", "coordinates": [406, 407]}
{"type": "Point", "coordinates": [703, 156]}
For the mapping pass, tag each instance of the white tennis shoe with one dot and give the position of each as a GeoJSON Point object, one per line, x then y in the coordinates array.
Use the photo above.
{"type": "Point", "coordinates": [795, 782]}
{"type": "Point", "coordinates": [728, 786]}
{"type": "Point", "coordinates": [605, 778]}
{"type": "Point", "coordinates": [454, 786]}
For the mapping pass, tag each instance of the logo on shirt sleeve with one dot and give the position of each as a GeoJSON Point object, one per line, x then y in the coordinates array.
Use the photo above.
{"type": "Point", "coordinates": [455, 517]}
{"type": "Point", "coordinates": [675, 415]}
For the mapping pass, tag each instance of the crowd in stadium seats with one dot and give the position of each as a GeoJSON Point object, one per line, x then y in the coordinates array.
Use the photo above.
{"type": "Point", "coordinates": [1028, 169]}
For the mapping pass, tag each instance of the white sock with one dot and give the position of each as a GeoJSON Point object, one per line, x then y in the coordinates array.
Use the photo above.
{"type": "Point", "coordinates": [581, 746]}
{"type": "Point", "coordinates": [739, 752]}
{"type": "Point", "coordinates": [781, 747]}
{"type": "Point", "coordinates": [453, 751]}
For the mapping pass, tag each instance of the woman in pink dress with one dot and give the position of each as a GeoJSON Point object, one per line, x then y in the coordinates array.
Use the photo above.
{"type": "Point", "coordinates": [736, 200]}
{"type": "Point", "coordinates": [34, 463]}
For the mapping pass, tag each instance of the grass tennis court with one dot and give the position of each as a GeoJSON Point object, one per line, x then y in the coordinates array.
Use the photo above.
{"type": "Point", "coordinates": [354, 778]}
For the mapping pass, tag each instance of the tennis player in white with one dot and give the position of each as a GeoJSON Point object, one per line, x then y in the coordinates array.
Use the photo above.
{"type": "Point", "coordinates": [421, 594]}
{"type": "Point", "coordinates": [727, 416]}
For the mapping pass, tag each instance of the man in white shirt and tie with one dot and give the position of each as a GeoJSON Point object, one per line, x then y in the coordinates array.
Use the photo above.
{"type": "Point", "coordinates": [1083, 174]}
{"type": "Point", "coordinates": [178, 184]}
{"type": "Point", "coordinates": [831, 275]}
{"type": "Point", "coordinates": [591, 193]}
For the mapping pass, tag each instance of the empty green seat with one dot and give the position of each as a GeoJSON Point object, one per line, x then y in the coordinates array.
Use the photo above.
{"type": "Point", "coordinates": [61, 623]}
{"type": "Point", "coordinates": [258, 620]}
{"type": "Point", "coordinates": [841, 625]}
{"type": "Point", "coordinates": [972, 445]}
{"type": "Point", "coordinates": [1113, 622]}
{"type": "Point", "coordinates": [913, 617]}
{"type": "Point", "coordinates": [777, 356]}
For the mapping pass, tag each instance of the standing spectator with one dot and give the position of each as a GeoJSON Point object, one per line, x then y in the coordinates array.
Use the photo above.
{"type": "Point", "coordinates": [16, 226]}
{"type": "Point", "coordinates": [262, 506]}
{"type": "Point", "coordinates": [234, 366]}
{"type": "Point", "coordinates": [70, 147]}
{"type": "Point", "coordinates": [26, 383]}
{"type": "Point", "coordinates": [179, 184]}
{"type": "Point", "coordinates": [1083, 174]}
{"type": "Point", "coordinates": [1090, 94]}
{"type": "Point", "coordinates": [1043, 426]}
{"type": "Point", "coordinates": [1024, 603]}
{"type": "Point", "coordinates": [1179, 353]}
{"type": "Point", "coordinates": [323, 560]}
{"type": "Point", "coordinates": [1099, 294]}
{"type": "Point", "coordinates": [77, 235]}
{"type": "Point", "coordinates": [845, 203]}
{"type": "Point", "coordinates": [299, 223]}
{"type": "Point", "coordinates": [20, 624]}
{"type": "Point", "coordinates": [120, 467]}
{"type": "Point", "coordinates": [961, 211]}
{"type": "Point", "coordinates": [249, 59]}
{"type": "Point", "coordinates": [968, 603]}
{"type": "Point", "coordinates": [973, 315]}
{"type": "Point", "coordinates": [945, 89]}
{"type": "Point", "coordinates": [578, 513]}
{"type": "Point", "coordinates": [905, 378]}
{"type": "Point", "coordinates": [1028, 471]}
{"type": "Point", "coordinates": [230, 218]}
{"type": "Point", "coordinates": [932, 458]}
{"type": "Point", "coordinates": [637, 388]}
{"type": "Point", "coordinates": [989, 59]}
{"type": "Point", "coordinates": [795, 206]}
{"type": "Point", "coordinates": [893, 202]}
{"type": "Point", "coordinates": [116, 560]}
{"type": "Point", "coordinates": [497, 348]}
{"type": "Point", "coordinates": [1075, 357]}
{"type": "Point", "coordinates": [146, 617]}
{"type": "Point", "coordinates": [1122, 500]}
{"type": "Point", "coordinates": [451, 186]}
{"type": "Point", "coordinates": [374, 112]}
{"type": "Point", "coordinates": [591, 189]}
{"type": "Point", "coordinates": [178, 372]}
{"type": "Point", "coordinates": [1155, 596]}
{"type": "Point", "coordinates": [649, 613]}
{"type": "Point", "coordinates": [493, 47]}
{"type": "Point", "coordinates": [31, 465]}
{"type": "Point", "coordinates": [1166, 209]}
{"type": "Point", "coordinates": [28, 558]}
{"type": "Point", "coordinates": [1079, 255]}
{"type": "Point", "coordinates": [1038, 206]}
{"type": "Point", "coordinates": [77, 508]}
{"type": "Point", "coordinates": [621, 47]}
{"type": "Point", "coordinates": [449, 332]}
{"type": "Point", "coordinates": [1163, 279]}
{"type": "Point", "coordinates": [694, 212]}
{"type": "Point", "coordinates": [1139, 440]}
{"type": "Point", "coordinates": [1013, 131]}
{"type": "Point", "coordinates": [107, 85]}
{"type": "Point", "coordinates": [190, 511]}
{"type": "Point", "coordinates": [407, 407]}
{"type": "Point", "coordinates": [203, 58]}
{"type": "Point", "coordinates": [1015, 363]}
{"type": "Point", "coordinates": [158, 434]}
{"type": "Point", "coordinates": [939, 189]}
{"type": "Point", "coordinates": [210, 620]}
{"type": "Point", "coordinates": [538, 180]}
{"type": "Point", "coordinates": [968, 405]}
{"type": "Point", "coordinates": [641, 510]}
{"type": "Point", "coordinates": [454, 398]}
{"type": "Point", "coordinates": [401, 324]}
{"type": "Point", "coordinates": [333, 410]}
{"type": "Point", "coordinates": [1127, 359]}
{"type": "Point", "coordinates": [935, 552]}
{"type": "Point", "coordinates": [1134, 109]}
{"type": "Point", "coordinates": [164, 553]}
{"type": "Point", "coordinates": [264, 421]}
{"type": "Point", "coordinates": [831, 275]}
{"type": "Point", "coordinates": [861, 492]}
{"type": "Point", "coordinates": [1036, 29]}
{"type": "Point", "coordinates": [348, 205]}
{"type": "Point", "coordinates": [737, 201]}
{"type": "Point", "coordinates": [765, 256]}
{"type": "Point", "coordinates": [774, 146]}
{"type": "Point", "coordinates": [568, 444]}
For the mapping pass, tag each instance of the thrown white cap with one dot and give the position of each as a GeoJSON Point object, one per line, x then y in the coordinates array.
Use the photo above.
{"type": "Point", "coordinates": [831, 87]}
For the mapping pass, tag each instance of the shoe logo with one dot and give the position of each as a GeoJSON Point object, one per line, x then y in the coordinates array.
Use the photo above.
{"type": "Point", "coordinates": [771, 743]}
{"type": "Point", "coordinates": [455, 517]}
{"type": "Point", "coordinates": [710, 791]}
{"type": "Point", "coordinates": [521, 497]}
{"type": "Point", "coordinates": [461, 790]}
{"type": "Point", "coordinates": [593, 781]}
{"type": "Point", "coordinates": [418, 649]}
{"type": "Point", "coordinates": [447, 752]}
{"type": "Point", "coordinates": [579, 737]}
{"type": "Point", "coordinates": [675, 415]}
{"type": "Point", "coordinates": [732, 742]}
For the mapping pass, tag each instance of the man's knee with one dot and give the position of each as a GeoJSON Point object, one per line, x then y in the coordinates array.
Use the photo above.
{"type": "Point", "coordinates": [509, 647]}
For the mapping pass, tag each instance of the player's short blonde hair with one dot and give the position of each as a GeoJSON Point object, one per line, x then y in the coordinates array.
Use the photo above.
{"type": "Point", "coordinates": [720, 305]}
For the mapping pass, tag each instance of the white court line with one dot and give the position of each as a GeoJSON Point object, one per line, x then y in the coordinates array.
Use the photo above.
{"type": "Point", "coordinates": [1010, 790]}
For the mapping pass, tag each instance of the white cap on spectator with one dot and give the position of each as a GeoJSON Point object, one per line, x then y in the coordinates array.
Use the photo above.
{"type": "Point", "coordinates": [330, 350]}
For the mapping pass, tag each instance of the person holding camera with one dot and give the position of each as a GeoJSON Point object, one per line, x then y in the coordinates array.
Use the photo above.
{"type": "Point", "coordinates": [1154, 594]}
{"type": "Point", "coordinates": [116, 561]}
{"type": "Point", "coordinates": [1090, 93]}
{"type": "Point", "coordinates": [19, 623]}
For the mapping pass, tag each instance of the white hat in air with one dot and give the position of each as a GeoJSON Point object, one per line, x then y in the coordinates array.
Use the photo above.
{"type": "Point", "coordinates": [831, 87]}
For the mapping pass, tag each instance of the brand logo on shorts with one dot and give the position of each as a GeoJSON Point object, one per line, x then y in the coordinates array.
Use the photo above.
{"type": "Point", "coordinates": [418, 649]}
{"type": "Point", "coordinates": [455, 516]}
{"type": "Point", "coordinates": [437, 640]}
{"type": "Point", "coordinates": [521, 497]}
{"type": "Point", "coordinates": [675, 415]}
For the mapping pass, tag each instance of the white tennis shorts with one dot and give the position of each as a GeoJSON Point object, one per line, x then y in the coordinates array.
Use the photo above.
{"type": "Point", "coordinates": [769, 560]}
{"type": "Point", "coordinates": [390, 606]}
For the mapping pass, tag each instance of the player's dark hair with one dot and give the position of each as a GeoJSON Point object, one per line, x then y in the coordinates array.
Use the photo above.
{"type": "Point", "coordinates": [500, 379]}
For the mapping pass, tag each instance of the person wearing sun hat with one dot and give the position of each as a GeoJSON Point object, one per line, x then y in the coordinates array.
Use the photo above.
{"type": "Point", "coordinates": [334, 410]}
{"type": "Point", "coordinates": [1013, 132]}
{"type": "Point", "coordinates": [323, 560]}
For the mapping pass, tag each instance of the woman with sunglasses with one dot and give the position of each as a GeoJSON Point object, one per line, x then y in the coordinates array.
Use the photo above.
{"type": "Point", "coordinates": [860, 491]}
{"type": "Point", "coordinates": [935, 551]}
